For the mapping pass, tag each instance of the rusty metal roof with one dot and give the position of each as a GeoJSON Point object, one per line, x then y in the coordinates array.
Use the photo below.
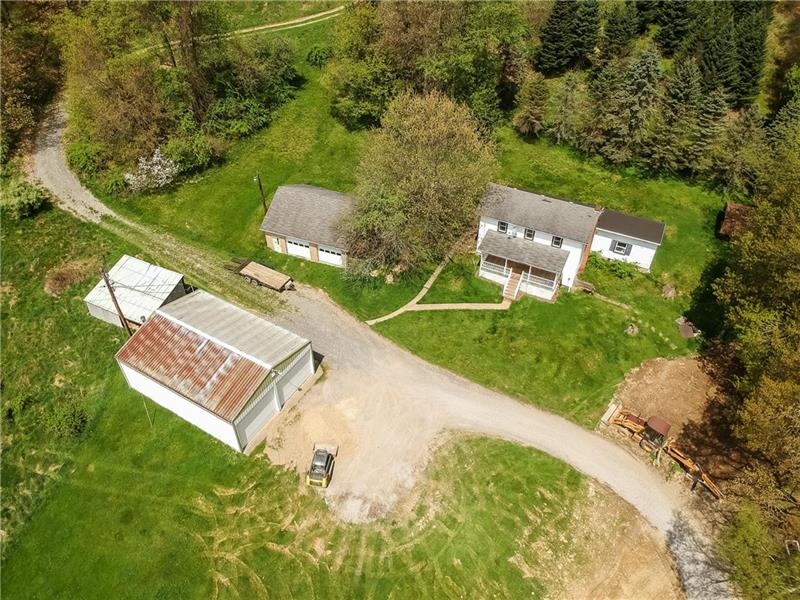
{"type": "Point", "coordinates": [217, 378]}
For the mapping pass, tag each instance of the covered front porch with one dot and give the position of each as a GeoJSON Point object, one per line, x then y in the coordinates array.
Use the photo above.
{"type": "Point", "coordinates": [521, 266]}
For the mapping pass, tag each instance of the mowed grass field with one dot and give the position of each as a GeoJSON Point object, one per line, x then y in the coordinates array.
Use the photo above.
{"type": "Point", "coordinates": [129, 510]}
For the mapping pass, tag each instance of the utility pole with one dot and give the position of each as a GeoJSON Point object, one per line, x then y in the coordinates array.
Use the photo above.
{"type": "Point", "coordinates": [261, 190]}
{"type": "Point", "coordinates": [110, 289]}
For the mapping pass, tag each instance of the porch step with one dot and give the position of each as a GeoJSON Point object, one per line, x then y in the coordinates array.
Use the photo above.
{"type": "Point", "coordinates": [511, 287]}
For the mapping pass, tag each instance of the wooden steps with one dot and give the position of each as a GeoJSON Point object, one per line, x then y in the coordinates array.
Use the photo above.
{"type": "Point", "coordinates": [511, 287]}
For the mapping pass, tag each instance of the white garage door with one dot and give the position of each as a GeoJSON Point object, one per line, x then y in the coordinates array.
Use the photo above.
{"type": "Point", "coordinates": [292, 379]}
{"type": "Point", "coordinates": [297, 248]}
{"type": "Point", "coordinates": [332, 257]}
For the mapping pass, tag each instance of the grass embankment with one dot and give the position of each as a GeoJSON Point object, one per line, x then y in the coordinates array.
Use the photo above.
{"type": "Point", "coordinates": [135, 511]}
{"type": "Point", "coordinates": [457, 283]}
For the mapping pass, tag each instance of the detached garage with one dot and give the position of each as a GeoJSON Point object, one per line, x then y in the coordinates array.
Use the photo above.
{"type": "Point", "coordinates": [306, 221]}
{"type": "Point", "coordinates": [219, 367]}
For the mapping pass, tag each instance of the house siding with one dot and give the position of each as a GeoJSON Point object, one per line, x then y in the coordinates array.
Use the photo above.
{"type": "Point", "coordinates": [642, 253]}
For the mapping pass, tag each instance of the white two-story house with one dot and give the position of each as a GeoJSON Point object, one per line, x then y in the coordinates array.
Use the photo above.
{"type": "Point", "coordinates": [533, 244]}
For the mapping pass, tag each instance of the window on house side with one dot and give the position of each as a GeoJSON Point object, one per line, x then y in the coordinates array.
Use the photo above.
{"type": "Point", "coordinates": [502, 226]}
{"type": "Point", "coordinates": [529, 234]}
{"type": "Point", "coordinates": [557, 241]}
{"type": "Point", "coordinates": [620, 247]}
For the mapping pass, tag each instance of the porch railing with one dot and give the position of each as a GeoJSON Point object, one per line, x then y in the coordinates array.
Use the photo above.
{"type": "Point", "coordinates": [540, 281]}
{"type": "Point", "coordinates": [496, 269]}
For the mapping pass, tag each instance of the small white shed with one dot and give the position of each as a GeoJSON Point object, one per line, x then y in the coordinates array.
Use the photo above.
{"type": "Point", "coordinates": [140, 288]}
{"type": "Point", "coordinates": [216, 365]}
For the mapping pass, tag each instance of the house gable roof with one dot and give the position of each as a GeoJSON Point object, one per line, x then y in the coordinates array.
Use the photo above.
{"type": "Point", "coordinates": [524, 251]}
{"type": "Point", "coordinates": [631, 226]}
{"type": "Point", "coordinates": [309, 213]}
{"type": "Point", "coordinates": [540, 213]}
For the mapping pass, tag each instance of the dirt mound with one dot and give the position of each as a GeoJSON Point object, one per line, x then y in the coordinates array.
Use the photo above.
{"type": "Point", "coordinates": [676, 390]}
{"type": "Point", "coordinates": [68, 274]}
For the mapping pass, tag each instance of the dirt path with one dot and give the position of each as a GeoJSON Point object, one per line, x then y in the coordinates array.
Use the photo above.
{"type": "Point", "coordinates": [388, 408]}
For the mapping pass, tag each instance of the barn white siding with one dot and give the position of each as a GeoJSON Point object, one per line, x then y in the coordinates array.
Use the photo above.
{"type": "Point", "coordinates": [253, 418]}
{"type": "Point", "coordinates": [185, 409]}
{"type": "Point", "coordinates": [642, 253]}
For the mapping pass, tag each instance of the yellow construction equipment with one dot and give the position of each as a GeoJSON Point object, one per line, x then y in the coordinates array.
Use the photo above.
{"type": "Point", "coordinates": [652, 435]}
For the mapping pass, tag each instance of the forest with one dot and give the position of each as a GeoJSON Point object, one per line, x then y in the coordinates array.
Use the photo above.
{"type": "Point", "coordinates": [156, 93]}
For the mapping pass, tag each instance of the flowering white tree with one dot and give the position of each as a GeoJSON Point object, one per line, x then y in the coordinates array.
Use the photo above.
{"type": "Point", "coordinates": [153, 173]}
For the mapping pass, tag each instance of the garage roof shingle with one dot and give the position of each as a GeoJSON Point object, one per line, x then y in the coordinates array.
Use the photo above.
{"type": "Point", "coordinates": [309, 213]}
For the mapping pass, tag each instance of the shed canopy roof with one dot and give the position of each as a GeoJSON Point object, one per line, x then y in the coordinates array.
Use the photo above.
{"type": "Point", "coordinates": [209, 351]}
{"type": "Point", "coordinates": [524, 251]}
{"type": "Point", "coordinates": [140, 288]}
{"type": "Point", "coordinates": [540, 213]}
{"type": "Point", "coordinates": [635, 227]}
{"type": "Point", "coordinates": [309, 213]}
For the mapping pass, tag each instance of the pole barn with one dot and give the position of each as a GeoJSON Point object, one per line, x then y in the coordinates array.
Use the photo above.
{"type": "Point", "coordinates": [218, 366]}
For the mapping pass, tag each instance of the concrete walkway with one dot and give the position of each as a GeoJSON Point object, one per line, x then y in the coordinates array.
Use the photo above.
{"type": "Point", "coordinates": [414, 305]}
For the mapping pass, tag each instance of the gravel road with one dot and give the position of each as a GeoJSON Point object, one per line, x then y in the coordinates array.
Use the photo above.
{"type": "Point", "coordinates": [391, 408]}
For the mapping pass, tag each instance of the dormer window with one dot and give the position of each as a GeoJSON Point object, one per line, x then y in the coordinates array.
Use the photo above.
{"type": "Point", "coordinates": [529, 234]}
{"type": "Point", "coordinates": [557, 241]}
{"type": "Point", "coordinates": [502, 227]}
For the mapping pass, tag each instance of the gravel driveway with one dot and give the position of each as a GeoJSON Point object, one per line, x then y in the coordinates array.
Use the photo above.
{"type": "Point", "coordinates": [383, 400]}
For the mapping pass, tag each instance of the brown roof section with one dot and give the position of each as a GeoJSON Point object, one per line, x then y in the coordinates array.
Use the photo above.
{"type": "Point", "coordinates": [197, 368]}
{"type": "Point", "coordinates": [659, 425]}
{"type": "Point", "coordinates": [635, 227]}
{"type": "Point", "coordinates": [736, 219]}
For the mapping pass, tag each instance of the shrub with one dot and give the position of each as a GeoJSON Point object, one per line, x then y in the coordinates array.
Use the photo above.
{"type": "Point", "coordinates": [66, 417]}
{"type": "Point", "coordinates": [318, 55]}
{"type": "Point", "coordinates": [84, 156]}
{"type": "Point", "coordinates": [114, 183]}
{"type": "Point", "coordinates": [20, 199]}
{"type": "Point", "coordinates": [617, 268]}
{"type": "Point", "coordinates": [233, 117]}
{"type": "Point", "coordinates": [153, 173]}
{"type": "Point", "coordinates": [190, 153]}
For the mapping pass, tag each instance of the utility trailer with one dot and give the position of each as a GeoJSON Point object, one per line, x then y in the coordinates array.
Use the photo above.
{"type": "Point", "coordinates": [258, 274]}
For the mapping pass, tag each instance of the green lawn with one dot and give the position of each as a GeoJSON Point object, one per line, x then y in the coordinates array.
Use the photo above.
{"type": "Point", "coordinates": [457, 283]}
{"type": "Point", "coordinates": [566, 357]}
{"type": "Point", "coordinates": [134, 511]}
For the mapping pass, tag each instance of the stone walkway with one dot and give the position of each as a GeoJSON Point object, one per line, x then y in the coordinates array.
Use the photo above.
{"type": "Point", "coordinates": [413, 304]}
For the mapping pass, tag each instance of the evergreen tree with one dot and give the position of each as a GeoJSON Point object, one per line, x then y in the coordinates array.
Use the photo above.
{"type": "Point", "coordinates": [715, 42]}
{"type": "Point", "coordinates": [742, 152]}
{"type": "Point", "coordinates": [531, 105]}
{"type": "Point", "coordinates": [648, 11]}
{"type": "Point", "coordinates": [606, 131]}
{"type": "Point", "coordinates": [674, 20]}
{"type": "Point", "coordinates": [675, 123]}
{"type": "Point", "coordinates": [557, 38]}
{"type": "Point", "coordinates": [751, 45]}
{"type": "Point", "coordinates": [564, 127]}
{"type": "Point", "coordinates": [699, 155]}
{"type": "Point", "coordinates": [619, 31]}
{"type": "Point", "coordinates": [587, 27]}
{"type": "Point", "coordinates": [641, 92]}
